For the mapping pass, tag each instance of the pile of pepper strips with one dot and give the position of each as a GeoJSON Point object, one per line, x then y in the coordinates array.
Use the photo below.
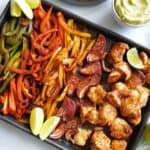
{"type": "Point", "coordinates": [36, 57]}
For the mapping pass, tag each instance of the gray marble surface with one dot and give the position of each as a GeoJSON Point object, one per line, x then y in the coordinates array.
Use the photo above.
{"type": "Point", "coordinates": [14, 139]}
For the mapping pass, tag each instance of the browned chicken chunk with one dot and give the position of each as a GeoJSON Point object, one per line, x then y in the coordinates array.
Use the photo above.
{"type": "Point", "coordinates": [93, 117]}
{"type": "Point", "coordinates": [100, 141]}
{"type": "Point", "coordinates": [135, 118]}
{"type": "Point", "coordinates": [137, 79]}
{"type": "Point", "coordinates": [107, 114]}
{"type": "Point", "coordinates": [96, 94]}
{"type": "Point", "coordinates": [81, 137]}
{"type": "Point", "coordinates": [114, 76]}
{"type": "Point", "coordinates": [124, 69]}
{"type": "Point", "coordinates": [118, 145]}
{"type": "Point", "coordinates": [121, 88]}
{"type": "Point", "coordinates": [114, 98]}
{"type": "Point", "coordinates": [144, 94]}
{"type": "Point", "coordinates": [117, 52]}
{"type": "Point", "coordinates": [120, 129]}
{"type": "Point", "coordinates": [84, 110]}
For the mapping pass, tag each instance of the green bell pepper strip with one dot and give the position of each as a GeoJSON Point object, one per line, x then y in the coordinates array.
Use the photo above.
{"type": "Point", "coordinates": [6, 82]}
{"type": "Point", "coordinates": [12, 61]}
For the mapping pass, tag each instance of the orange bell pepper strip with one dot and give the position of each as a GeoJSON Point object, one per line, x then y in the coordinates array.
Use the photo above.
{"type": "Point", "coordinates": [65, 26]}
{"type": "Point", "coordinates": [45, 24]}
{"type": "Point", "coordinates": [11, 100]}
{"type": "Point", "coordinates": [4, 100]}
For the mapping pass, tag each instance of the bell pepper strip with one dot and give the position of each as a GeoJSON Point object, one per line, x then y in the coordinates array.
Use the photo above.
{"type": "Point", "coordinates": [11, 100]}
{"type": "Point", "coordinates": [6, 82]}
{"type": "Point", "coordinates": [64, 25]}
{"type": "Point", "coordinates": [44, 26]}
{"type": "Point", "coordinates": [4, 100]}
{"type": "Point", "coordinates": [12, 61]}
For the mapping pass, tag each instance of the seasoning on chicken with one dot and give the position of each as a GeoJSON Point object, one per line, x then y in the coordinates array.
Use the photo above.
{"type": "Point", "coordinates": [85, 84]}
{"type": "Point", "coordinates": [114, 76]}
{"type": "Point", "coordinates": [72, 84]}
{"type": "Point", "coordinates": [137, 79]}
{"type": "Point", "coordinates": [97, 51]}
{"type": "Point", "coordinates": [107, 114]}
{"type": "Point", "coordinates": [84, 110]}
{"type": "Point", "coordinates": [114, 98]}
{"type": "Point", "coordinates": [93, 117]}
{"type": "Point", "coordinates": [122, 89]}
{"type": "Point", "coordinates": [91, 69]}
{"type": "Point", "coordinates": [144, 57]}
{"type": "Point", "coordinates": [117, 52]}
{"type": "Point", "coordinates": [81, 137]}
{"type": "Point", "coordinates": [124, 69]}
{"type": "Point", "coordinates": [144, 94]}
{"type": "Point", "coordinates": [118, 145]}
{"type": "Point", "coordinates": [130, 104]}
{"type": "Point", "coordinates": [100, 141]}
{"type": "Point", "coordinates": [135, 118]}
{"type": "Point", "coordinates": [96, 94]}
{"type": "Point", "coordinates": [120, 129]}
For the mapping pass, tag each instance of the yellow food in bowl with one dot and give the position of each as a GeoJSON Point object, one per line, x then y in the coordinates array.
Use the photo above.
{"type": "Point", "coordinates": [133, 11]}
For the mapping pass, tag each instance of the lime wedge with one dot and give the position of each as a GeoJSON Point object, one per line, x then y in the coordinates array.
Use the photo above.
{"type": "Point", "coordinates": [36, 120]}
{"type": "Point", "coordinates": [147, 134]}
{"type": "Point", "coordinates": [15, 11]}
{"type": "Point", "coordinates": [25, 8]}
{"type": "Point", "coordinates": [133, 58]}
{"type": "Point", "coordinates": [33, 3]}
{"type": "Point", "coordinates": [48, 127]}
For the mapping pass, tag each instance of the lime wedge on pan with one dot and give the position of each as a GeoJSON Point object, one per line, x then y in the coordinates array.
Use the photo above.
{"type": "Point", "coordinates": [133, 58]}
{"type": "Point", "coordinates": [33, 3]}
{"type": "Point", "coordinates": [48, 127]}
{"type": "Point", "coordinates": [23, 5]}
{"type": "Point", "coordinates": [15, 11]}
{"type": "Point", "coordinates": [36, 120]}
{"type": "Point", "coordinates": [147, 133]}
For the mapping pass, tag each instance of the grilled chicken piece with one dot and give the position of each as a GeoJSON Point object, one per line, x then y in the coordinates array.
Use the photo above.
{"type": "Point", "coordinates": [122, 89]}
{"type": "Point", "coordinates": [93, 117]}
{"type": "Point", "coordinates": [120, 129]}
{"type": "Point", "coordinates": [130, 104]}
{"type": "Point", "coordinates": [96, 94]}
{"type": "Point", "coordinates": [107, 114]}
{"type": "Point", "coordinates": [91, 69]}
{"type": "Point", "coordinates": [124, 69]}
{"type": "Point", "coordinates": [144, 57]}
{"type": "Point", "coordinates": [144, 94]}
{"type": "Point", "coordinates": [137, 79]}
{"type": "Point", "coordinates": [118, 144]}
{"type": "Point", "coordinates": [114, 98]}
{"type": "Point", "coordinates": [81, 137]}
{"type": "Point", "coordinates": [85, 84]}
{"type": "Point", "coordinates": [114, 76]}
{"type": "Point", "coordinates": [84, 110]}
{"type": "Point", "coordinates": [135, 118]}
{"type": "Point", "coordinates": [97, 51]}
{"type": "Point", "coordinates": [72, 84]}
{"type": "Point", "coordinates": [117, 52]}
{"type": "Point", "coordinates": [100, 141]}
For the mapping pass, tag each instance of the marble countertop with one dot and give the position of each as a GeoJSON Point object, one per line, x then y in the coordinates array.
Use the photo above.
{"type": "Point", "coordinates": [101, 14]}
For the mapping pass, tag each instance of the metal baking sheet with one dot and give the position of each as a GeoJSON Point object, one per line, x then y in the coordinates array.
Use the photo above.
{"type": "Point", "coordinates": [111, 37]}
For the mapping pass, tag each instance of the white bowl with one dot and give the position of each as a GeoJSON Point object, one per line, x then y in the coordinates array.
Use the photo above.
{"type": "Point", "coordinates": [122, 22]}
